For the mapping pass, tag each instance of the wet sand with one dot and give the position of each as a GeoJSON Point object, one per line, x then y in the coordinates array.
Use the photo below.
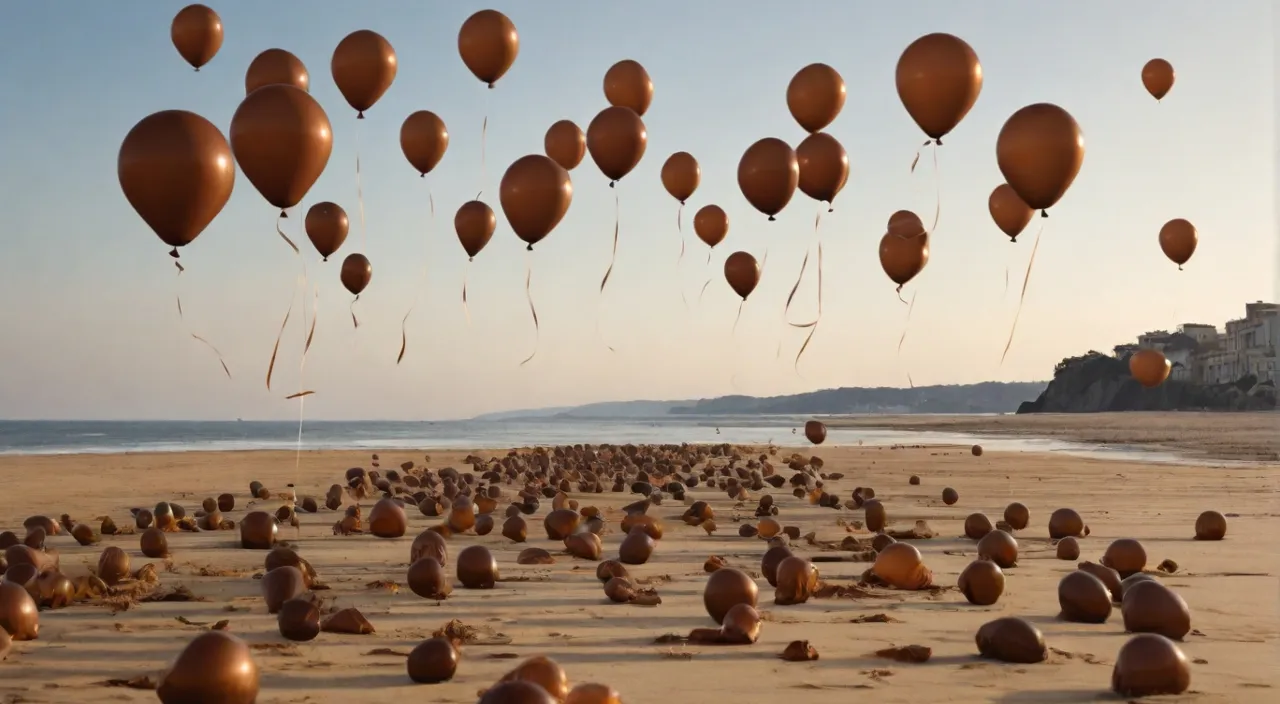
{"type": "Point", "coordinates": [559, 610]}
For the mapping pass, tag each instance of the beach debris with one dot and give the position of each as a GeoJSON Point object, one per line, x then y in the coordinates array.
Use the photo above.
{"type": "Point", "coordinates": [982, 582]}
{"type": "Point", "coordinates": [83, 534]}
{"type": "Point", "coordinates": [799, 651]}
{"type": "Point", "coordinates": [900, 566]}
{"type": "Point", "coordinates": [477, 568]}
{"type": "Point", "coordinates": [920, 531]}
{"type": "Point", "coordinates": [387, 652]}
{"type": "Point", "coordinates": [1068, 549]}
{"type": "Point", "coordinates": [976, 450]}
{"type": "Point", "coordinates": [1083, 598]}
{"type": "Point", "coordinates": [726, 588]}
{"type": "Point", "coordinates": [621, 590]}
{"type": "Point", "coordinates": [1211, 525]}
{"type": "Point", "coordinates": [433, 661]}
{"type": "Point", "coordinates": [349, 621]}
{"type": "Point", "coordinates": [999, 547]}
{"type": "Point", "coordinates": [144, 682]}
{"type": "Point", "coordinates": [1065, 522]}
{"type": "Point", "coordinates": [1167, 566]}
{"type": "Point", "coordinates": [515, 529]}
{"type": "Point", "coordinates": [713, 563]}
{"type": "Point", "coordinates": [1150, 664]}
{"type": "Point", "coordinates": [906, 653]}
{"type": "Point", "coordinates": [1012, 640]}
{"type": "Point", "coordinates": [1151, 607]}
{"type": "Point", "coordinates": [914, 480]}
{"type": "Point", "coordinates": [213, 665]}
{"type": "Point", "coordinates": [464, 634]}
{"type": "Point", "coordinates": [1126, 556]}
{"type": "Point", "coordinates": [427, 578]}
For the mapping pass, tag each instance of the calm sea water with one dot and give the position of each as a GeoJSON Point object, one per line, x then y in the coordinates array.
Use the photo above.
{"type": "Point", "coordinates": [67, 437]}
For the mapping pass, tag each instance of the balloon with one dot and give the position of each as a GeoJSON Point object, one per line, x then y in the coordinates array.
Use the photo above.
{"type": "Point", "coordinates": [197, 34]}
{"type": "Point", "coordinates": [565, 144]}
{"type": "Point", "coordinates": [711, 224]}
{"type": "Point", "coordinates": [282, 140]}
{"type": "Point", "coordinates": [1008, 211]}
{"type": "Point", "coordinates": [474, 223]}
{"type": "Point", "coordinates": [815, 431]}
{"type": "Point", "coordinates": [327, 227]}
{"type": "Point", "coordinates": [363, 66]}
{"type": "Point", "coordinates": [681, 175]}
{"type": "Point", "coordinates": [616, 139]}
{"type": "Point", "coordinates": [175, 169]}
{"type": "Point", "coordinates": [1178, 239]}
{"type": "Point", "coordinates": [905, 224]}
{"type": "Point", "coordinates": [488, 44]}
{"type": "Point", "coordinates": [768, 175]}
{"type": "Point", "coordinates": [627, 85]}
{"type": "Point", "coordinates": [276, 66]}
{"type": "Point", "coordinates": [535, 194]}
{"type": "Point", "coordinates": [424, 139]}
{"type": "Point", "coordinates": [824, 166]}
{"type": "Point", "coordinates": [1149, 367]}
{"type": "Point", "coordinates": [1157, 77]}
{"type": "Point", "coordinates": [742, 272]}
{"type": "Point", "coordinates": [356, 272]}
{"type": "Point", "coordinates": [815, 96]}
{"type": "Point", "coordinates": [902, 258]}
{"type": "Point", "coordinates": [1039, 151]}
{"type": "Point", "coordinates": [939, 79]}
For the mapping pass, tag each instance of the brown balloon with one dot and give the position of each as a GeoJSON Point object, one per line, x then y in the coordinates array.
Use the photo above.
{"type": "Point", "coordinates": [474, 222]}
{"type": "Point", "coordinates": [197, 34]}
{"type": "Point", "coordinates": [1157, 78]}
{"type": "Point", "coordinates": [476, 568]}
{"type": "Point", "coordinates": [939, 79]}
{"type": "Point", "coordinates": [711, 224]}
{"type": "Point", "coordinates": [1008, 211]}
{"type": "Point", "coordinates": [326, 225]}
{"type": "Point", "coordinates": [214, 666]}
{"type": "Point", "coordinates": [488, 44]}
{"type": "Point", "coordinates": [387, 518]}
{"type": "Point", "coordinates": [363, 67]}
{"type": "Point", "coordinates": [424, 140]}
{"type": "Point", "coordinates": [280, 585]}
{"type": "Point", "coordinates": [356, 273]}
{"type": "Point", "coordinates": [616, 139]}
{"type": "Point", "coordinates": [1211, 525]}
{"type": "Point", "coordinates": [276, 66]}
{"type": "Point", "coordinates": [176, 171]}
{"type": "Point", "coordinates": [901, 566]}
{"type": "Point", "coordinates": [432, 661]}
{"type": "Point", "coordinates": [824, 167]}
{"type": "Point", "coordinates": [282, 140]}
{"type": "Point", "coordinates": [727, 587]}
{"type": "Point", "coordinates": [1150, 367]}
{"type": "Point", "coordinates": [627, 85]}
{"type": "Point", "coordinates": [815, 431]}
{"type": "Point", "coordinates": [1011, 639]}
{"type": "Point", "coordinates": [681, 175]}
{"type": "Point", "coordinates": [815, 96]}
{"type": "Point", "coordinates": [768, 175]}
{"type": "Point", "coordinates": [903, 258]}
{"type": "Point", "coordinates": [1178, 240]}
{"type": "Point", "coordinates": [742, 272]}
{"type": "Point", "coordinates": [299, 619]}
{"type": "Point", "coordinates": [1039, 151]}
{"type": "Point", "coordinates": [535, 193]}
{"type": "Point", "coordinates": [1151, 607]}
{"type": "Point", "coordinates": [982, 582]}
{"type": "Point", "coordinates": [566, 144]}
{"type": "Point", "coordinates": [1083, 598]}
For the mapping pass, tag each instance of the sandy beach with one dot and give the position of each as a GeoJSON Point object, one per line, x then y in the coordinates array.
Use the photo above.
{"type": "Point", "coordinates": [559, 610]}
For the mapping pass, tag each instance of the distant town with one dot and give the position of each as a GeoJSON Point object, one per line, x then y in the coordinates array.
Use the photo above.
{"type": "Point", "coordinates": [1201, 354]}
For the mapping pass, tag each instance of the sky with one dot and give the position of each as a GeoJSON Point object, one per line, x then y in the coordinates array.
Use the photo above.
{"type": "Point", "coordinates": [91, 330]}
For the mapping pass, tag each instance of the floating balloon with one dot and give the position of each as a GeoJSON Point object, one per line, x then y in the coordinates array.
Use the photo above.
{"type": "Point", "coordinates": [276, 66]}
{"type": "Point", "coordinates": [327, 227]}
{"type": "Point", "coordinates": [1008, 211]}
{"type": "Point", "coordinates": [356, 273]}
{"type": "Point", "coordinates": [939, 79]}
{"type": "Point", "coordinates": [488, 44]}
{"type": "Point", "coordinates": [1150, 367]}
{"type": "Point", "coordinates": [424, 140]}
{"type": "Point", "coordinates": [768, 174]}
{"type": "Point", "coordinates": [1178, 240]}
{"type": "Point", "coordinates": [1157, 78]}
{"type": "Point", "coordinates": [175, 169]}
{"type": "Point", "coordinates": [627, 85]}
{"type": "Point", "coordinates": [681, 175]}
{"type": "Point", "coordinates": [616, 139]}
{"type": "Point", "coordinates": [363, 67]}
{"type": "Point", "coordinates": [474, 223]}
{"type": "Point", "coordinates": [824, 167]}
{"type": "Point", "coordinates": [742, 272]}
{"type": "Point", "coordinates": [816, 96]}
{"type": "Point", "coordinates": [711, 224]}
{"type": "Point", "coordinates": [903, 258]}
{"type": "Point", "coordinates": [535, 193]}
{"type": "Point", "coordinates": [565, 144]}
{"type": "Point", "coordinates": [197, 34]}
{"type": "Point", "coordinates": [905, 225]}
{"type": "Point", "coordinates": [282, 140]}
{"type": "Point", "coordinates": [1039, 151]}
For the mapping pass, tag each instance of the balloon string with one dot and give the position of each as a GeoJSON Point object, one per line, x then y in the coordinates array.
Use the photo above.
{"type": "Point", "coordinates": [484, 138]}
{"type": "Point", "coordinates": [354, 321]}
{"type": "Point", "coordinates": [466, 272]}
{"type": "Point", "coordinates": [737, 318]}
{"type": "Point", "coordinates": [364, 235]}
{"type": "Point", "coordinates": [679, 259]}
{"type": "Point", "coordinates": [919, 151]}
{"type": "Point", "coordinates": [275, 350]}
{"type": "Point", "coordinates": [613, 258]}
{"type": "Point", "coordinates": [533, 312]}
{"type": "Point", "coordinates": [937, 191]}
{"type": "Point", "coordinates": [905, 327]}
{"type": "Point", "coordinates": [302, 395]}
{"type": "Point", "coordinates": [422, 284]}
{"type": "Point", "coordinates": [813, 326]}
{"type": "Point", "coordinates": [1022, 296]}
{"type": "Point", "coordinates": [285, 237]}
{"type": "Point", "coordinates": [182, 319]}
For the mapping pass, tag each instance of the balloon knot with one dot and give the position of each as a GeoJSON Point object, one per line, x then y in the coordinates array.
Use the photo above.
{"type": "Point", "coordinates": [1013, 240]}
{"type": "Point", "coordinates": [771, 219]}
{"type": "Point", "coordinates": [1179, 266]}
{"type": "Point", "coordinates": [325, 259]}
{"type": "Point", "coordinates": [938, 141]}
{"type": "Point", "coordinates": [611, 183]}
{"type": "Point", "coordinates": [197, 69]}
{"type": "Point", "coordinates": [472, 259]}
{"type": "Point", "coordinates": [174, 253]}
{"type": "Point", "coordinates": [490, 86]}
{"type": "Point", "coordinates": [283, 213]}
{"type": "Point", "coordinates": [360, 114]}
{"type": "Point", "coordinates": [831, 208]}
{"type": "Point", "coordinates": [422, 175]}
{"type": "Point", "coordinates": [1044, 213]}
{"type": "Point", "coordinates": [529, 248]}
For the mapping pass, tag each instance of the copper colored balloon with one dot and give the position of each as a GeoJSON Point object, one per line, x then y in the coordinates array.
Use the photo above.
{"type": "Point", "coordinates": [197, 34]}
{"type": "Point", "coordinates": [1150, 367]}
{"type": "Point", "coordinates": [681, 175]}
{"type": "Point", "coordinates": [517, 692]}
{"type": "Point", "coordinates": [616, 139]}
{"type": "Point", "coordinates": [280, 585]}
{"type": "Point", "coordinates": [276, 66]}
{"type": "Point", "coordinates": [1039, 151]}
{"type": "Point", "coordinates": [982, 582]}
{"type": "Point", "coordinates": [636, 548]}
{"type": "Point", "coordinates": [999, 547]}
{"type": "Point", "coordinates": [816, 96]}
{"type": "Point", "coordinates": [1083, 598]}
{"type": "Point", "coordinates": [19, 616]}
{"type": "Point", "coordinates": [903, 258]}
{"type": "Point", "coordinates": [939, 79]}
{"type": "Point", "coordinates": [544, 672]}
{"type": "Point", "coordinates": [592, 693]}
{"type": "Point", "coordinates": [1017, 515]}
{"type": "Point", "coordinates": [1011, 639]}
{"type": "Point", "coordinates": [768, 175]}
{"type": "Point", "coordinates": [387, 518]}
{"type": "Point", "coordinates": [432, 661]}
{"type": "Point", "coordinates": [900, 566]}
{"type": "Point", "coordinates": [711, 224]}
{"type": "Point", "coordinates": [1066, 522]}
{"type": "Point", "coordinates": [363, 67]}
{"type": "Point", "coordinates": [424, 139]}
{"type": "Point", "coordinates": [327, 227]}
{"type": "Point", "coordinates": [1158, 77]}
{"type": "Point", "coordinates": [1109, 578]}
{"type": "Point", "coordinates": [1211, 525]}
{"type": "Point", "coordinates": [566, 144]}
{"type": "Point", "coordinates": [427, 579]}
{"type": "Point", "coordinates": [477, 569]}
{"type": "Point", "coordinates": [488, 44]}
{"type": "Point", "coordinates": [905, 224]}
{"type": "Point", "coordinates": [1008, 211]}
{"type": "Point", "coordinates": [113, 565]}
{"type": "Point", "coordinates": [176, 171]}
{"type": "Point", "coordinates": [1178, 241]}
{"type": "Point", "coordinates": [627, 85]}
{"type": "Point", "coordinates": [535, 193]}
{"type": "Point", "coordinates": [726, 588]}
{"type": "Point", "coordinates": [282, 140]}
{"type": "Point", "coordinates": [824, 167]}
{"type": "Point", "coordinates": [429, 544]}
{"type": "Point", "coordinates": [815, 431]}
{"type": "Point", "coordinates": [797, 581]}
{"type": "Point", "coordinates": [474, 222]}
{"type": "Point", "coordinates": [214, 666]}
{"type": "Point", "coordinates": [741, 624]}
{"type": "Point", "coordinates": [299, 619]}
{"type": "Point", "coordinates": [1126, 556]}
{"type": "Point", "coordinates": [1068, 549]}
{"type": "Point", "coordinates": [1150, 664]}
{"type": "Point", "coordinates": [356, 273]}
{"type": "Point", "coordinates": [258, 530]}
{"type": "Point", "coordinates": [1150, 607]}
{"type": "Point", "coordinates": [742, 272]}
{"type": "Point", "coordinates": [769, 563]}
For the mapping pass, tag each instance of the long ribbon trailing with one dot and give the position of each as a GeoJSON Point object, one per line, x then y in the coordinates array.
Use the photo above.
{"type": "Point", "coordinates": [734, 331]}
{"type": "Point", "coordinates": [680, 258]}
{"type": "Point", "coordinates": [426, 257]}
{"type": "Point", "coordinates": [703, 292]}
{"type": "Point", "coordinates": [484, 138]}
{"type": "Point", "coordinates": [309, 335]}
{"type": "Point", "coordinates": [177, 294]}
{"type": "Point", "coordinates": [275, 350]}
{"type": "Point", "coordinates": [813, 326]}
{"type": "Point", "coordinates": [285, 237]}
{"type": "Point", "coordinates": [1022, 296]}
{"type": "Point", "coordinates": [528, 294]}
{"type": "Point", "coordinates": [613, 259]}
{"type": "Point", "coordinates": [466, 272]}
{"type": "Point", "coordinates": [364, 235]}
{"type": "Point", "coordinates": [354, 320]}
{"type": "Point", "coordinates": [906, 326]}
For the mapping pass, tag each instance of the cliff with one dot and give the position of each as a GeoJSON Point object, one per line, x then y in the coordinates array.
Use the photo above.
{"type": "Point", "coordinates": [986, 397]}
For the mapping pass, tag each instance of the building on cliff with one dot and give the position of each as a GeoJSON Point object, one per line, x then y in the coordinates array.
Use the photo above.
{"type": "Point", "coordinates": [1200, 354]}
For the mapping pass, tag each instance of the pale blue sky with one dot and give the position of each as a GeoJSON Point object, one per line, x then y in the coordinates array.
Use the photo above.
{"type": "Point", "coordinates": [87, 313]}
